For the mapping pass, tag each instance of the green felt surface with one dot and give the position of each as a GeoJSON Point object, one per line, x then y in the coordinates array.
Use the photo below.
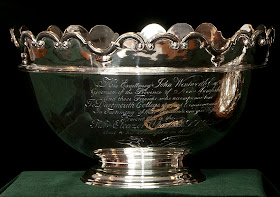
{"type": "Point", "coordinates": [230, 183]}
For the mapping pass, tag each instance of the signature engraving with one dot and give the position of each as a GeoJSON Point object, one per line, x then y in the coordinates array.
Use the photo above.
{"type": "Point", "coordinates": [166, 109]}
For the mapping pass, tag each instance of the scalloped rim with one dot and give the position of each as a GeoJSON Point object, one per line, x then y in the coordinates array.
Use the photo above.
{"type": "Point", "coordinates": [249, 36]}
{"type": "Point", "coordinates": [243, 32]}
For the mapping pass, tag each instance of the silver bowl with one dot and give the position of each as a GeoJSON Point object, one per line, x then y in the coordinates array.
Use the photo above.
{"type": "Point", "coordinates": [142, 101]}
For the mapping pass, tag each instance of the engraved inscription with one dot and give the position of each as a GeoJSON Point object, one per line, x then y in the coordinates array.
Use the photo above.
{"type": "Point", "coordinates": [152, 103]}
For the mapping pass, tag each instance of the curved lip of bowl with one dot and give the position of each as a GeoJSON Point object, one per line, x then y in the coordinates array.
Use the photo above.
{"type": "Point", "coordinates": [132, 70]}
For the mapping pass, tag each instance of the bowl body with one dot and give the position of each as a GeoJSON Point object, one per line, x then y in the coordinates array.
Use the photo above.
{"type": "Point", "coordinates": [100, 111]}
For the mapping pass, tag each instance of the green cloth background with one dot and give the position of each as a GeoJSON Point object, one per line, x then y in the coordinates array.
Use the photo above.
{"type": "Point", "coordinates": [229, 183]}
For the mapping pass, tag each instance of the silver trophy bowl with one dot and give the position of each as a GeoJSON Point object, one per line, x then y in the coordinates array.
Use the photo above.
{"type": "Point", "coordinates": [142, 101]}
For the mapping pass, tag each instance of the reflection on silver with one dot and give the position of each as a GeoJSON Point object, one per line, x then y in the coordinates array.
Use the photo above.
{"type": "Point", "coordinates": [210, 32]}
{"type": "Point", "coordinates": [142, 168]}
{"type": "Point", "coordinates": [180, 30]}
{"type": "Point", "coordinates": [152, 46]}
{"type": "Point", "coordinates": [142, 101]}
{"type": "Point", "coordinates": [151, 30]}
{"type": "Point", "coordinates": [229, 95]}
{"type": "Point", "coordinates": [129, 70]}
{"type": "Point", "coordinates": [101, 36]}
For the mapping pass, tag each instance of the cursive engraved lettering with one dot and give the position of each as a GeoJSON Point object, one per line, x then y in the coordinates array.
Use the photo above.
{"type": "Point", "coordinates": [169, 108]}
{"type": "Point", "coordinates": [107, 82]}
{"type": "Point", "coordinates": [155, 104]}
{"type": "Point", "coordinates": [163, 83]}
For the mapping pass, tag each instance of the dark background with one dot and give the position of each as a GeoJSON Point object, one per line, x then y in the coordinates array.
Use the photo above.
{"type": "Point", "coordinates": [28, 144]}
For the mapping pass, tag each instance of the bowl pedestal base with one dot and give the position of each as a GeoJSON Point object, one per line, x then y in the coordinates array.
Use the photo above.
{"type": "Point", "coordinates": [142, 168]}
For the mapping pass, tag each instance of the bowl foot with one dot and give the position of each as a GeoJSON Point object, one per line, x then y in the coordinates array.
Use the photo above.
{"type": "Point", "coordinates": [142, 168]}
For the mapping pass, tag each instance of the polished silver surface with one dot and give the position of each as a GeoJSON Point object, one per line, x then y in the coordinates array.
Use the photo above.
{"type": "Point", "coordinates": [152, 30]}
{"type": "Point", "coordinates": [141, 101]}
{"type": "Point", "coordinates": [180, 30]}
{"type": "Point", "coordinates": [142, 168]}
{"type": "Point", "coordinates": [204, 47]}
{"type": "Point", "coordinates": [129, 70]}
{"type": "Point", "coordinates": [141, 124]}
